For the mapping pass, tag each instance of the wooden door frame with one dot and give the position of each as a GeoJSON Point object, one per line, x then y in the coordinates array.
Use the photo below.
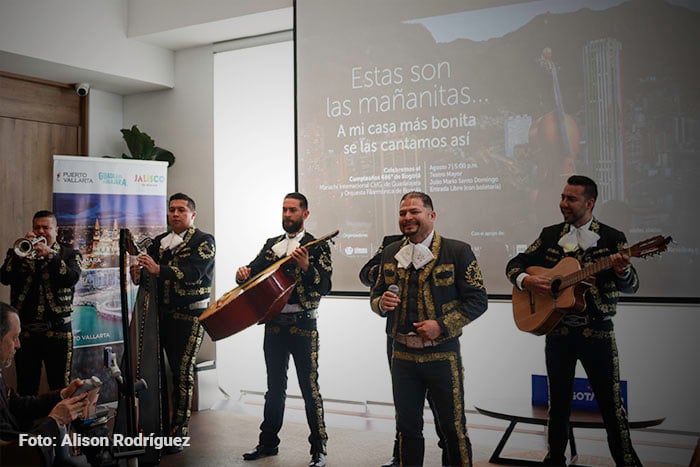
{"type": "Point", "coordinates": [83, 113]}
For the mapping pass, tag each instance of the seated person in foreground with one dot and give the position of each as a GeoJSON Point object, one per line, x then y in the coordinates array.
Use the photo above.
{"type": "Point", "coordinates": [24, 414]}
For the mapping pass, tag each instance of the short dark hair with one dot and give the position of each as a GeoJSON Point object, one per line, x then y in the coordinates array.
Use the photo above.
{"type": "Point", "coordinates": [590, 189]}
{"type": "Point", "coordinates": [5, 311]}
{"type": "Point", "coordinates": [303, 202]}
{"type": "Point", "coordinates": [427, 201]}
{"type": "Point", "coordinates": [190, 201]}
{"type": "Point", "coordinates": [44, 213]}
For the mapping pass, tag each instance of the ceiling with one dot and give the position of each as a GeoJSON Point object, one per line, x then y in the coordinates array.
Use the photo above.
{"type": "Point", "coordinates": [174, 39]}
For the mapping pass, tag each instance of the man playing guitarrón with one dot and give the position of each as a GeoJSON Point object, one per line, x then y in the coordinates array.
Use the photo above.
{"type": "Point", "coordinates": [587, 336]}
{"type": "Point", "coordinates": [294, 331]}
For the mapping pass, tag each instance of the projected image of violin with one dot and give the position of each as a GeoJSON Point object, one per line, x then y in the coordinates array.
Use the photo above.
{"type": "Point", "coordinates": [555, 133]}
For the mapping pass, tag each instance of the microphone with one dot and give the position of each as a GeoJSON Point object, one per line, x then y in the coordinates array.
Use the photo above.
{"type": "Point", "coordinates": [393, 288]}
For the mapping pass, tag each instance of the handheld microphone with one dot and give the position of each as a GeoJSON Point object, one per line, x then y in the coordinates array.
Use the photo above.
{"type": "Point", "coordinates": [393, 288]}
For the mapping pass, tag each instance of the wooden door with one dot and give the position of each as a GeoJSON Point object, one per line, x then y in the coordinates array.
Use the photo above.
{"type": "Point", "coordinates": [37, 120]}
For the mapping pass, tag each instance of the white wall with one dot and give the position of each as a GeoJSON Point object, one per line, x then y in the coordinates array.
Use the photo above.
{"type": "Point", "coordinates": [181, 120]}
{"type": "Point", "coordinates": [105, 119]}
{"type": "Point", "coordinates": [80, 34]}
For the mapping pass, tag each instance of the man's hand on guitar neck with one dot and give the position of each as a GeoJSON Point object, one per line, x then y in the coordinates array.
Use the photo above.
{"type": "Point", "coordinates": [621, 264]}
{"type": "Point", "coordinates": [541, 284]}
{"type": "Point", "coordinates": [538, 284]}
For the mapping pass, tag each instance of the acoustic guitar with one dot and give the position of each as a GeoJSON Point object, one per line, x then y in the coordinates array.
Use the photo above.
{"type": "Point", "coordinates": [539, 313]}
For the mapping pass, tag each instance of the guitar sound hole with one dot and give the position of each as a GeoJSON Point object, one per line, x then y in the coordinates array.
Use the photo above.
{"type": "Point", "coordinates": [556, 283]}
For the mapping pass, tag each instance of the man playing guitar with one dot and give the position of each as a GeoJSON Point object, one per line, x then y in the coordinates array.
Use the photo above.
{"type": "Point", "coordinates": [587, 336]}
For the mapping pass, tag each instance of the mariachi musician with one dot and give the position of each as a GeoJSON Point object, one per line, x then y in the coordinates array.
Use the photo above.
{"type": "Point", "coordinates": [183, 262]}
{"type": "Point", "coordinates": [42, 275]}
{"type": "Point", "coordinates": [588, 337]}
{"type": "Point", "coordinates": [293, 332]}
{"type": "Point", "coordinates": [368, 276]}
{"type": "Point", "coordinates": [429, 287]}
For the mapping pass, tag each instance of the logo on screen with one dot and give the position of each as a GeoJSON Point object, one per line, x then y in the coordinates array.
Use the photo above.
{"type": "Point", "coordinates": [354, 251]}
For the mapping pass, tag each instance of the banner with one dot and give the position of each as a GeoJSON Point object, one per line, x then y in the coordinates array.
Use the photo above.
{"type": "Point", "coordinates": [581, 399]}
{"type": "Point", "coordinates": [93, 198]}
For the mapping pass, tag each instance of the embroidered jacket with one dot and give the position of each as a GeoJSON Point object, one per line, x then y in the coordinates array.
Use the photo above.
{"type": "Point", "coordinates": [310, 285]}
{"type": "Point", "coordinates": [602, 297]}
{"type": "Point", "coordinates": [186, 271]}
{"type": "Point", "coordinates": [450, 287]}
{"type": "Point", "coordinates": [368, 273]}
{"type": "Point", "coordinates": [42, 289]}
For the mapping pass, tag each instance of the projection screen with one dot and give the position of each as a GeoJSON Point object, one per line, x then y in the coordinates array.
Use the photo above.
{"type": "Point", "coordinates": [489, 109]}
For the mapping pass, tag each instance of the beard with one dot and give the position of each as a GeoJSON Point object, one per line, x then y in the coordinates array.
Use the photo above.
{"type": "Point", "coordinates": [292, 226]}
{"type": "Point", "coordinates": [572, 217]}
{"type": "Point", "coordinates": [410, 228]}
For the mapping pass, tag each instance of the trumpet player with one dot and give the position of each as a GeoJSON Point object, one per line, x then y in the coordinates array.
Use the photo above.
{"type": "Point", "coordinates": [42, 275]}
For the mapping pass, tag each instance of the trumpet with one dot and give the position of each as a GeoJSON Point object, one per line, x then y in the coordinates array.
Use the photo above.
{"type": "Point", "coordinates": [25, 247]}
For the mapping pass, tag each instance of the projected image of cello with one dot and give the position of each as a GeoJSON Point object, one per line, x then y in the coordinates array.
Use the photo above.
{"type": "Point", "coordinates": [555, 140]}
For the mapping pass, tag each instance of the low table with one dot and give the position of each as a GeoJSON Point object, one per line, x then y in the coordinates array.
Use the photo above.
{"type": "Point", "coordinates": [522, 411]}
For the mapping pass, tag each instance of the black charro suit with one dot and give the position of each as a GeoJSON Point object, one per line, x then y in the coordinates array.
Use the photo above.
{"type": "Point", "coordinates": [186, 271]}
{"type": "Point", "coordinates": [368, 276]}
{"type": "Point", "coordinates": [368, 273]}
{"type": "Point", "coordinates": [450, 290]}
{"type": "Point", "coordinates": [601, 301]}
{"type": "Point", "coordinates": [452, 284]}
{"type": "Point", "coordinates": [295, 334]}
{"type": "Point", "coordinates": [313, 283]}
{"type": "Point", "coordinates": [590, 339]}
{"type": "Point", "coordinates": [42, 292]}
{"type": "Point", "coordinates": [184, 287]}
